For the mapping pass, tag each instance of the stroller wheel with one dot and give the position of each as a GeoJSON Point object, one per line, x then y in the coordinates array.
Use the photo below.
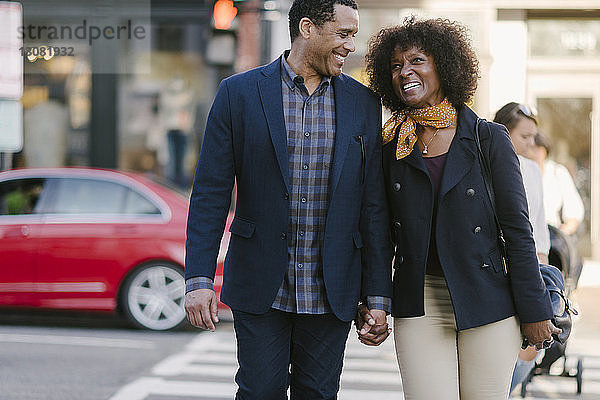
{"type": "Point", "coordinates": [579, 375]}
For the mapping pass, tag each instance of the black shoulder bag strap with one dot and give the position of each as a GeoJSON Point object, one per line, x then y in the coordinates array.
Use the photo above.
{"type": "Point", "coordinates": [487, 180]}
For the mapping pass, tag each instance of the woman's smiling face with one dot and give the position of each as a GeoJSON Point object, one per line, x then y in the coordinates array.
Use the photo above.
{"type": "Point", "coordinates": [415, 78]}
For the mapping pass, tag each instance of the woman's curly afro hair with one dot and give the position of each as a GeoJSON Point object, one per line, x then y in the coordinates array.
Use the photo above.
{"type": "Point", "coordinates": [446, 41]}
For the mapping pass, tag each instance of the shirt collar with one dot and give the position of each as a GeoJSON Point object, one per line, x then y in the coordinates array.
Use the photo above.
{"type": "Point", "coordinates": [290, 77]}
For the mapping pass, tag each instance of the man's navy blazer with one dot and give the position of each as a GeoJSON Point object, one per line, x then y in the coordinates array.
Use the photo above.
{"type": "Point", "coordinates": [246, 142]}
{"type": "Point", "coordinates": [465, 230]}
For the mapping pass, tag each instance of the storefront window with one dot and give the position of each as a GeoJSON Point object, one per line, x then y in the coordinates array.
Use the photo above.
{"type": "Point", "coordinates": [163, 113]}
{"type": "Point", "coordinates": [560, 38]}
{"type": "Point", "coordinates": [129, 73]}
{"type": "Point", "coordinates": [56, 110]}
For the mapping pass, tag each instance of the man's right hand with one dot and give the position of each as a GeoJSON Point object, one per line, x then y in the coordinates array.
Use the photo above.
{"type": "Point", "coordinates": [201, 308]}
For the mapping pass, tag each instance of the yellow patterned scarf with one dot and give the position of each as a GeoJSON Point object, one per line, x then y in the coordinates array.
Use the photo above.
{"type": "Point", "coordinates": [438, 116]}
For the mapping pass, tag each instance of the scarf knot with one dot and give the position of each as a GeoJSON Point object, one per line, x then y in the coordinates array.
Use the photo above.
{"type": "Point", "coordinates": [404, 123]}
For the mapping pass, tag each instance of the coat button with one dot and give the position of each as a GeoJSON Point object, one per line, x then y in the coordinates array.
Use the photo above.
{"type": "Point", "coordinates": [400, 259]}
{"type": "Point", "coordinates": [477, 229]}
{"type": "Point", "coordinates": [397, 187]}
{"type": "Point", "coordinates": [484, 265]}
{"type": "Point", "coordinates": [286, 196]}
{"type": "Point", "coordinates": [283, 235]}
{"type": "Point", "coordinates": [470, 192]}
{"type": "Point", "coordinates": [398, 224]}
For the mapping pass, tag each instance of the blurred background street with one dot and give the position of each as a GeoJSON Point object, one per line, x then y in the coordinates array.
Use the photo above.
{"type": "Point", "coordinates": [122, 89]}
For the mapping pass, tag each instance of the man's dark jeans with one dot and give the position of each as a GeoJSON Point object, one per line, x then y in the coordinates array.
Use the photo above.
{"type": "Point", "coordinates": [279, 349]}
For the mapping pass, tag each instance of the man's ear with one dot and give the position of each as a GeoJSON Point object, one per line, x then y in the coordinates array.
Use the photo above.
{"type": "Point", "coordinates": [306, 27]}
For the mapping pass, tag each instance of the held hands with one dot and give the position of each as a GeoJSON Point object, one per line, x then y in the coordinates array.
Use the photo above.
{"type": "Point", "coordinates": [371, 325]}
{"type": "Point", "coordinates": [201, 308]}
{"type": "Point", "coordinates": [539, 334]}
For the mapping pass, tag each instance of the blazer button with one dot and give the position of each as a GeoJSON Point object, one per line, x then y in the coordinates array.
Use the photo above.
{"type": "Point", "coordinates": [477, 229]}
{"type": "Point", "coordinates": [400, 259]}
{"type": "Point", "coordinates": [283, 235]}
{"type": "Point", "coordinates": [470, 192]}
{"type": "Point", "coordinates": [398, 224]}
{"type": "Point", "coordinates": [397, 186]}
{"type": "Point", "coordinates": [286, 196]}
{"type": "Point", "coordinates": [484, 266]}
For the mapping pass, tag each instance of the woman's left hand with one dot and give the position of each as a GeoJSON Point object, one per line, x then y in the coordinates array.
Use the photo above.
{"type": "Point", "coordinates": [537, 333]}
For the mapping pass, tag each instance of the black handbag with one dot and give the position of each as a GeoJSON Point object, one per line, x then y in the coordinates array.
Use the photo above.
{"type": "Point", "coordinates": [487, 180]}
{"type": "Point", "coordinates": [552, 276]}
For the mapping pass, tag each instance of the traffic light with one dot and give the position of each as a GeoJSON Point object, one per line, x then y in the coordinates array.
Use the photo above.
{"type": "Point", "coordinates": [223, 13]}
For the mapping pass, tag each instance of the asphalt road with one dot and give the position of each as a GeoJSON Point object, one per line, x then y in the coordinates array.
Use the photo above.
{"type": "Point", "coordinates": [61, 356]}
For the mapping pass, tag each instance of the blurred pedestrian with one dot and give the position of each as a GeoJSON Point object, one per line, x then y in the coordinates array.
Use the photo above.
{"type": "Point", "coordinates": [176, 115]}
{"type": "Point", "coordinates": [45, 130]}
{"type": "Point", "coordinates": [522, 127]}
{"type": "Point", "coordinates": [302, 142]}
{"type": "Point", "coordinates": [456, 315]}
{"type": "Point", "coordinates": [563, 204]}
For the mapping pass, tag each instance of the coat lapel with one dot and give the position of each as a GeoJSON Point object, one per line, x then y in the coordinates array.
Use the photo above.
{"type": "Point", "coordinates": [461, 153]}
{"type": "Point", "coordinates": [345, 112]}
{"type": "Point", "coordinates": [415, 160]}
{"type": "Point", "coordinates": [272, 103]}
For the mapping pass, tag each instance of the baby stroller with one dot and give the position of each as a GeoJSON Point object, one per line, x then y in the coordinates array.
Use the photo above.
{"type": "Point", "coordinates": [563, 255]}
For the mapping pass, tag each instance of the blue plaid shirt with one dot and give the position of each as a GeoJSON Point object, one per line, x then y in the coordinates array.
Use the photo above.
{"type": "Point", "coordinates": [310, 125]}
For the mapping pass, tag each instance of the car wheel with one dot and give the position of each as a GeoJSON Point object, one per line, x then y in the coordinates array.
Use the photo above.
{"type": "Point", "coordinates": [152, 297]}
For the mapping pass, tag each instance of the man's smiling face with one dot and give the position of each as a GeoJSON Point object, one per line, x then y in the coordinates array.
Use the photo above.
{"type": "Point", "coordinates": [333, 41]}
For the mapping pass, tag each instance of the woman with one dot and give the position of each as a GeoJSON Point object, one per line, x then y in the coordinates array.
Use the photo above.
{"type": "Point", "coordinates": [522, 128]}
{"type": "Point", "coordinates": [455, 312]}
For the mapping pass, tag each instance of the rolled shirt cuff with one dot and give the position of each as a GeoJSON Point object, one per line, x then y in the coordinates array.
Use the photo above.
{"type": "Point", "coordinates": [380, 303]}
{"type": "Point", "coordinates": [198, 282]}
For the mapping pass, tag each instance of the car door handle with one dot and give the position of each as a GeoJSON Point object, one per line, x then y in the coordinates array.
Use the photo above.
{"type": "Point", "coordinates": [25, 230]}
{"type": "Point", "coordinates": [126, 229]}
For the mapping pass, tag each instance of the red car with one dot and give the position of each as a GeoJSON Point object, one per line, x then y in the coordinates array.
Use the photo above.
{"type": "Point", "coordinates": [92, 239]}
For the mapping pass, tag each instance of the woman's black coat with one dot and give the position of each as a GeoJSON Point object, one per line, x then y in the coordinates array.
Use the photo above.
{"type": "Point", "coordinates": [465, 230]}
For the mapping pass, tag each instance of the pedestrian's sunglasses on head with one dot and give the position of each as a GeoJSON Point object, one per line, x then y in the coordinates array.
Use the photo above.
{"type": "Point", "coordinates": [523, 109]}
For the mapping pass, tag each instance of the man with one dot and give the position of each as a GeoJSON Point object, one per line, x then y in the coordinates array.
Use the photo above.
{"type": "Point", "coordinates": [310, 235]}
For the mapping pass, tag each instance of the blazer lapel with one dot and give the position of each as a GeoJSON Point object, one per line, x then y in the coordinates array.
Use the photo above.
{"type": "Point", "coordinates": [272, 103]}
{"type": "Point", "coordinates": [461, 154]}
{"type": "Point", "coordinates": [345, 120]}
